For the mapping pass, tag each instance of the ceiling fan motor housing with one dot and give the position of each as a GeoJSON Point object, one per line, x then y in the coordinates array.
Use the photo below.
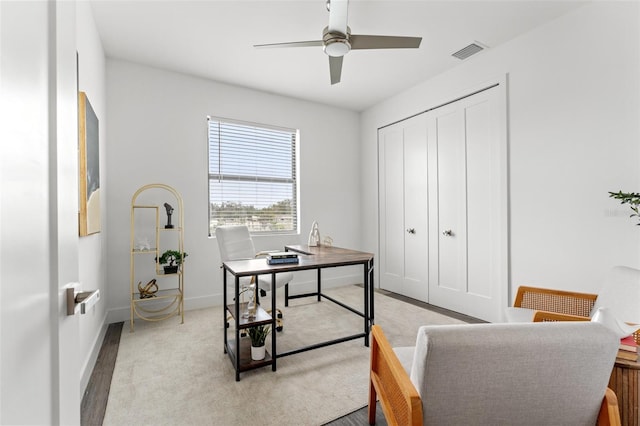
{"type": "Point", "coordinates": [336, 44]}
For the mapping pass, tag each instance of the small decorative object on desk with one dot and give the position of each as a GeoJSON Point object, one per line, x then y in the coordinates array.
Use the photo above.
{"type": "Point", "coordinates": [169, 209]}
{"type": "Point", "coordinates": [258, 335]}
{"type": "Point", "coordinates": [280, 257]}
{"type": "Point", "coordinates": [314, 235]}
{"type": "Point", "coordinates": [328, 241]}
{"type": "Point", "coordinates": [172, 259]}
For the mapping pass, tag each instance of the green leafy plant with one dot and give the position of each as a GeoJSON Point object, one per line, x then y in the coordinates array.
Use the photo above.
{"type": "Point", "coordinates": [258, 335]}
{"type": "Point", "coordinates": [172, 257]}
{"type": "Point", "coordinates": [631, 198]}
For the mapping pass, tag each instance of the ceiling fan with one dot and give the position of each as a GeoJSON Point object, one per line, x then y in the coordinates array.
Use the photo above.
{"type": "Point", "coordinates": [337, 39]}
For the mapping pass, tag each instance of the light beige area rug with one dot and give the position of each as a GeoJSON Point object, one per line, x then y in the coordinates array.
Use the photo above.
{"type": "Point", "coordinates": [168, 373]}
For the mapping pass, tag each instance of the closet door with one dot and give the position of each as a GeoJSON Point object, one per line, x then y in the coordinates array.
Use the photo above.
{"type": "Point", "coordinates": [415, 209]}
{"type": "Point", "coordinates": [447, 155]}
{"type": "Point", "coordinates": [403, 208]}
{"type": "Point", "coordinates": [467, 173]}
{"type": "Point", "coordinates": [391, 209]}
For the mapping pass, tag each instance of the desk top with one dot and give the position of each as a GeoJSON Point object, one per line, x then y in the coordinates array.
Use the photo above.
{"type": "Point", "coordinates": [309, 258]}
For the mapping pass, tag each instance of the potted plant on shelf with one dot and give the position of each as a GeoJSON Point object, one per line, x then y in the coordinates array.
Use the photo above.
{"type": "Point", "coordinates": [258, 334]}
{"type": "Point", "coordinates": [171, 259]}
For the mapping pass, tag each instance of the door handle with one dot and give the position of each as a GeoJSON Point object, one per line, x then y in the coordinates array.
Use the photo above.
{"type": "Point", "coordinates": [447, 233]}
{"type": "Point", "coordinates": [411, 230]}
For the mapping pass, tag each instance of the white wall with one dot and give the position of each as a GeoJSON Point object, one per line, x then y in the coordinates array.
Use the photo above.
{"type": "Point", "coordinates": [573, 105]}
{"type": "Point", "coordinates": [92, 248]}
{"type": "Point", "coordinates": [158, 134]}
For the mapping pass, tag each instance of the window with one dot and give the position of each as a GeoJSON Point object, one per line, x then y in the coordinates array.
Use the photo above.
{"type": "Point", "coordinates": [252, 177]}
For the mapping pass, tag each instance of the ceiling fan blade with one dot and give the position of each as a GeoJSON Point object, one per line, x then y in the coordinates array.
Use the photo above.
{"type": "Point", "coordinates": [383, 42]}
{"type": "Point", "coordinates": [292, 44]}
{"type": "Point", "coordinates": [338, 12]}
{"type": "Point", "coordinates": [335, 68]}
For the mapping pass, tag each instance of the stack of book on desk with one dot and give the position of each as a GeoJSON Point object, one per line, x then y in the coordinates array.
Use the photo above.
{"type": "Point", "coordinates": [281, 257]}
{"type": "Point", "coordinates": [628, 349]}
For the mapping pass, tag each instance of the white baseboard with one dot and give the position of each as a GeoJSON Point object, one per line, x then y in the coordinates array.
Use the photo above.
{"type": "Point", "coordinates": [201, 302]}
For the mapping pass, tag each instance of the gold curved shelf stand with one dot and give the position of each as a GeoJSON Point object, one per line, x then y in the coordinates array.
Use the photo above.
{"type": "Point", "coordinates": [159, 314]}
{"type": "Point", "coordinates": [175, 296]}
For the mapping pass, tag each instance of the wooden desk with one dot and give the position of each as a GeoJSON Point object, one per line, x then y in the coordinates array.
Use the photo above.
{"type": "Point", "coordinates": [624, 382]}
{"type": "Point", "coordinates": [310, 258]}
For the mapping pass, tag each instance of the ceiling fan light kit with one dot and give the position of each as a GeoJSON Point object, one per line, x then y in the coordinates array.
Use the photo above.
{"type": "Point", "coordinates": [335, 44]}
{"type": "Point", "coordinates": [337, 40]}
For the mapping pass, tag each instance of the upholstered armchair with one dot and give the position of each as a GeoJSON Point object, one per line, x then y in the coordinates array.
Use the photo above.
{"type": "Point", "coordinates": [620, 294]}
{"type": "Point", "coordinates": [496, 374]}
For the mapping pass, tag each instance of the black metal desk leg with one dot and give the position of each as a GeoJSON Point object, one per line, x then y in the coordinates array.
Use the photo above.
{"type": "Point", "coordinates": [371, 294]}
{"type": "Point", "coordinates": [273, 321]}
{"type": "Point", "coordinates": [319, 283]}
{"type": "Point", "coordinates": [224, 307]}
{"type": "Point", "coordinates": [237, 309]}
{"type": "Point", "coordinates": [286, 295]}
{"type": "Point", "coordinates": [366, 304]}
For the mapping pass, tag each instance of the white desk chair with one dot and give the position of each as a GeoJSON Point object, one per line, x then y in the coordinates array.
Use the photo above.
{"type": "Point", "coordinates": [235, 243]}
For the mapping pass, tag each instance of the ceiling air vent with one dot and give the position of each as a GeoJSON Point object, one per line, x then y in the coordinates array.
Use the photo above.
{"type": "Point", "coordinates": [471, 49]}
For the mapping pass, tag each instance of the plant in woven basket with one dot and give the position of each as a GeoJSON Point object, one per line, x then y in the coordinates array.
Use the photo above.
{"type": "Point", "coordinates": [258, 334]}
{"type": "Point", "coordinates": [631, 198]}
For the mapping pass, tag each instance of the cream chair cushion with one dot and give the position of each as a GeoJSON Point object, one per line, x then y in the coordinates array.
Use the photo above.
{"type": "Point", "coordinates": [514, 314]}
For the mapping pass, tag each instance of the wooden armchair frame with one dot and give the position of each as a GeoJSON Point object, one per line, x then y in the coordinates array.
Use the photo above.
{"type": "Point", "coordinates": [401, 402]}
{"type": "Point", "coordinates": [559, 301]}
{"type": "Point", "coordinates": [389, 381]}
{"type": "Point", "coordinates": [558, 305]}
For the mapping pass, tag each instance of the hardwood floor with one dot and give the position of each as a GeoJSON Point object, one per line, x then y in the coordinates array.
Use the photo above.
{"type": "Point", "coordinates": [94, 400]}
{"type": "Point", "coordinates": [443, 311]}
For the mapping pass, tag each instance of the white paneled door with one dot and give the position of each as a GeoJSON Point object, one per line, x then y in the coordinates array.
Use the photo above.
{"type": "Point", "coordinates": [403, 208]}
{"type": "Point", "coordinates": [466, 159]}
{"type": "Point", "coordinates": [39, 343]}
{"type": "Point", "coordinates": [443, 206]}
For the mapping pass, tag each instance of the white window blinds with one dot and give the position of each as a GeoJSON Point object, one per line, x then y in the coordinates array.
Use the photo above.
{"type": "Point", "coordinates": [252, 177]}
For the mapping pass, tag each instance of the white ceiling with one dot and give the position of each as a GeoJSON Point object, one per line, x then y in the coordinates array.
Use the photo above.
{"type": "Point", "coordinates": [214, 39]}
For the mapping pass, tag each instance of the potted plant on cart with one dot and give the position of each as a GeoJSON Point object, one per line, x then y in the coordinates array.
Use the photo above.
{"type": "Point", "coordinates": [258, 334]}
{"type": "Point", "coordinates": [171, 260]}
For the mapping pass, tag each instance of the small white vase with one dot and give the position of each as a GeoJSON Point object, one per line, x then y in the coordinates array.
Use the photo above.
{"type": "Point", "coordinates": [258, 353]}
